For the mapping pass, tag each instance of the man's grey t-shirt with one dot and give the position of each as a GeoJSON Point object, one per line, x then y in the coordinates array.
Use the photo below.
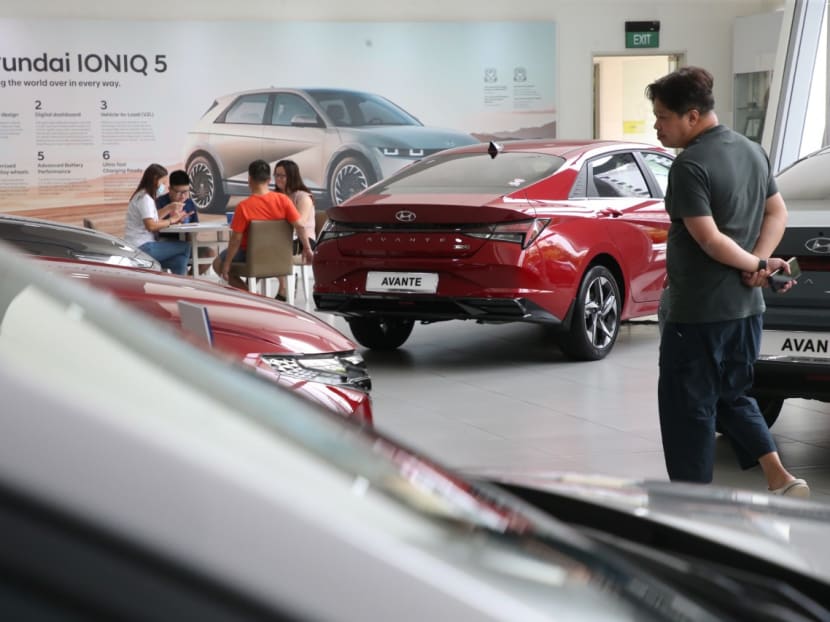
{"type": "Point", "coordinates": [724, 175]}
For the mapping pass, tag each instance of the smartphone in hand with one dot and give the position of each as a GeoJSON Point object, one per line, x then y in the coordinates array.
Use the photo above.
{"type": "Point", "coordinates": [778, 279]}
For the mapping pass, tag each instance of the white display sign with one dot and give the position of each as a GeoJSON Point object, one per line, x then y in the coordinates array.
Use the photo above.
{"type": "Point", "coordinates": [795, 344]}
{"type": "Point", "coordinates": [413, 282]}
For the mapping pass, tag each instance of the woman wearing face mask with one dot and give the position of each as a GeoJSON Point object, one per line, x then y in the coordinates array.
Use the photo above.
{"type": "Point", "coordinates": [288, 180]}
{"type": "Point", "coordinates": [144, 221]}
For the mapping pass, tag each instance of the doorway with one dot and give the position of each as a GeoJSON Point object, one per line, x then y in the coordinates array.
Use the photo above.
{"type": "Point", "coordinates": [621, 110]}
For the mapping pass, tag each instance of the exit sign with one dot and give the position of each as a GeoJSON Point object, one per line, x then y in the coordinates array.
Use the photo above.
{"type": "Point", "coordinates": [642, 34]}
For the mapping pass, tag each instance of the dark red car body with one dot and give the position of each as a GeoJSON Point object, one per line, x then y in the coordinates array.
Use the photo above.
{"type": "Point", "coordinates": [246, 328]}
{"type": "Point", "coordinates": [505, 245]}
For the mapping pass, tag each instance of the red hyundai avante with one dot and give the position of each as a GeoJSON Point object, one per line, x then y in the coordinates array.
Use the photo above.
{"type": "Point", "coordinates": [566, 233]}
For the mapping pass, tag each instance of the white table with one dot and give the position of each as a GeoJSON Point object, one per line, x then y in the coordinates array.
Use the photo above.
{"type": "Point", "coordinates": [192, 230]}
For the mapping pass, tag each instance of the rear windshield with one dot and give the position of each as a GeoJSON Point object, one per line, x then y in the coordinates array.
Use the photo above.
{"type": "Point", "coordinates": [472, 173]}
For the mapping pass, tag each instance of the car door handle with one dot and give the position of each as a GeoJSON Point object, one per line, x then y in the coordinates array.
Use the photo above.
{"type": "Point", "coordinates": [610, 211]}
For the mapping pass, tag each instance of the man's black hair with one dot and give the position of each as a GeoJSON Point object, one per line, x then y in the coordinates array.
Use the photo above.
{"type": "Point", "coordinates": [259, 171]}
{"type": "Point", "coordinates": [689, 88]}
{"type": "Point", "coordinates": [179, 178]}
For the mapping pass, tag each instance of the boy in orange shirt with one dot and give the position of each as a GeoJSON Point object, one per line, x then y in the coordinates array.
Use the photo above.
{"type": "Point", "coordinates": [261, 205]}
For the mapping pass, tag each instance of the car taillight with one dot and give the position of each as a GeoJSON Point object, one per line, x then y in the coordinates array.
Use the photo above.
{"type": "Point", "coordinates": [520, 232]}
{"type": "Point", "coordinates": [332, 231]}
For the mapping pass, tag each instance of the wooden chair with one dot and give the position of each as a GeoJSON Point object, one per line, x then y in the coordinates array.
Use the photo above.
{"type": "Point", "coordinates": [269, 254]}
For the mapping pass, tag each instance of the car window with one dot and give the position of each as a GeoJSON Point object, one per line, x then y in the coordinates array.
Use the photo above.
{"type": "Point", "coordinates": [249, 109]}
{"type": "Point", "coordinates": [356, 109]}
{"type": "Point", "coordinates": [287, 106]}
{"type": "Point", "coordinates": [472, 173]}
{"type": "Point", "coordinates": [376, 114]}
{"type": "Point", "coordinates": [659, 166]}
{"type": "Point", "coordinates": [616, 175]}
{"type": "Point", "coordinates": [337, 112]}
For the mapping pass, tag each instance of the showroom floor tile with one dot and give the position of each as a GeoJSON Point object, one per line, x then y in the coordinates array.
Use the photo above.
{"type": "Point", "coordinates": [483, 397]}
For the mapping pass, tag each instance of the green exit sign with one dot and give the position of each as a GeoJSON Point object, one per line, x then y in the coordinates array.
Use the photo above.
{"type": "Point", "coordinates": [642, 39]}
{"type": "Point", "coordinates": [642, 34]}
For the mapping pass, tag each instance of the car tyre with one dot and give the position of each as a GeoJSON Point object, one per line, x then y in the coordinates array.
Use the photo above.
{"type": "Point", "coordinates": [380, 333]}
{"type": "Point", "coordinates": [206, 185]}
{"type": "Point", "coordinates": [595, 322]}
{"type": "Point", "coordinates": [350, 176]}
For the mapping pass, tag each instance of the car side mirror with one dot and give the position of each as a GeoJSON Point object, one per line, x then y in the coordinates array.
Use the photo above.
{"type": "Point", "coordinates": [305, 120]}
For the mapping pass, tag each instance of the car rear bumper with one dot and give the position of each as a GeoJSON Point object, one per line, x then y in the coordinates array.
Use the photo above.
{"type": "Point", "coordinates": [787, 377]}
{"type": "Point", "coordinates": [436, 308]}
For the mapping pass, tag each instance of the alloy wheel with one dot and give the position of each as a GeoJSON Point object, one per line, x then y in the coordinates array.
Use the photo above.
{"type": "Point", "coordinates": [349, 180]}
{"type": "Point", "coordinates": [202, 184]}
{"type": "Point", "coordinates": [601, 318]}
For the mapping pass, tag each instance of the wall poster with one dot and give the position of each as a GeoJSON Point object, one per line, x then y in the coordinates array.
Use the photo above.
{"type": "Point", "coordinates": [86, 105]}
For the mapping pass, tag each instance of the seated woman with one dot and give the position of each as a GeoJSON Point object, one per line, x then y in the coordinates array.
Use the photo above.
{"type": "Point", "coordinates": [288, 180]}
{"type": "Point", "coordinates": [144, 221]}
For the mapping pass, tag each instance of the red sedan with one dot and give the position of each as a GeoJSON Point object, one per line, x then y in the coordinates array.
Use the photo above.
{"type": "Point", "coordinates": [292, 348]}
{"type": "Point", "coordinates": [566, 233]}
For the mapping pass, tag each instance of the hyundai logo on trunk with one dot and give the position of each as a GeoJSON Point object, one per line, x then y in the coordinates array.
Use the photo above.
{"type": "Point", "coordinates": [818, 245]}
{"type": "Point", "coordinates": [405, 215]}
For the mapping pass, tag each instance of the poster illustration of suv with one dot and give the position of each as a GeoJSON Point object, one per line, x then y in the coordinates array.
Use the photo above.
{"type": "Point", "coordinates": [342, 140]}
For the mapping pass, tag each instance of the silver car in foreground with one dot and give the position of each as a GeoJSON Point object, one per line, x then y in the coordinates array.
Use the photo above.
{"type": "Point", "coordinates": [342, 140]}
{"type": "Point", "coordinates": [143, 479]}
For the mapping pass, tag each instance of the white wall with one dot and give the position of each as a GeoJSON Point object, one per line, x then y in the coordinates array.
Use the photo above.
{"type": "Point", "coordinates": [699, 30]}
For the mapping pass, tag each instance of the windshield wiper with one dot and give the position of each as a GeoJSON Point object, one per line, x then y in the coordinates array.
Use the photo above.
{"type": "Point", "coordinates": [738, 593]}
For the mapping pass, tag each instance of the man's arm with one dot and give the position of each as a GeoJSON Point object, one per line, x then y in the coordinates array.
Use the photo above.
{"type": "Point", "coordinates": [772, 230]}
{"type": "Point", "coordinates": [157, 225]}
{"type": "Point", "coordinates": [725, 250]}
{"type": "Point", "coordinates": [772, 227]}
{"type": "Point", "coordinates": [718, 246]}
{"type": "Point", "coordinates": [233, 247]}
{"type": "Point", "coordinates": [169, 209]}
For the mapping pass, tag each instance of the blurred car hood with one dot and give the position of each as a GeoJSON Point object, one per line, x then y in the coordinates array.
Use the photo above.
{"type": "Point", "coordinates": [789, 532]}
{"type": "Point", "coordinates": [46, 238]}
{"type": "Point", "coordinates": [242, 323]}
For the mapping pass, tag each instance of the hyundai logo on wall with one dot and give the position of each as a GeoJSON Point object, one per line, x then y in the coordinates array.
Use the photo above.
{"type": "Point", "coordinates": [405, 216]}
{"type": "Point", "coordinates": [818, 245]}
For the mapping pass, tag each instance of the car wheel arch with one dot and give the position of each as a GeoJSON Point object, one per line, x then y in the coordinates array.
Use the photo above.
{"type": "Point", "coordinates": [610, 262]}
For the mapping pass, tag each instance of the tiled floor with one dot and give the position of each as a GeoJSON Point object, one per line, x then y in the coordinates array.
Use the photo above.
{"type": "Point", "coordinates": [505, 397]}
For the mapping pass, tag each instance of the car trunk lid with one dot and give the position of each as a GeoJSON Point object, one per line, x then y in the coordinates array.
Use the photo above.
{"type": "Point", "coordinates": [427, 226]}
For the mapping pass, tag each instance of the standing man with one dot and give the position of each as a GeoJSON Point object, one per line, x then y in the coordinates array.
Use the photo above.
{"type": "Point", "coordinates": [261, 205]}
{"type": "Point", "coordinates": [727, 217]}
{"type": "Point", "coordinates": [179, 192]}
